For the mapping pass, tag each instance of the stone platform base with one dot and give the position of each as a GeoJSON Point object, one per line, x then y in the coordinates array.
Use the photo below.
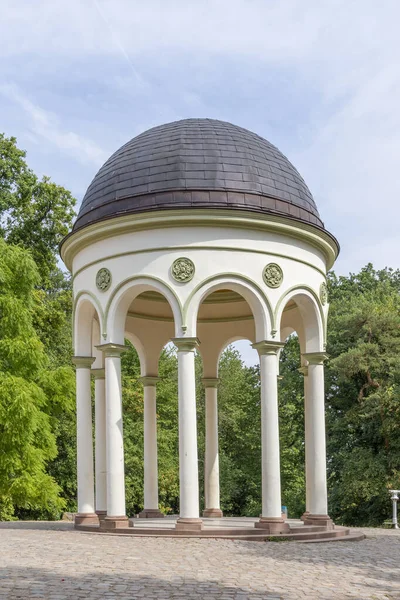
{"type": "Point", "coordinates": [86, 519]}
{"type": "Point", "coordinates": [319, 521]}
{"type": "Point", "coordinates": [273, 526]}
{"type": "Point", "coordinates": [228, 528]}
{"type": "Point", "coordinates": [113, 523]}
{"type": "Point", "coordinates": [151, 513]}
{"type": "Point", "coordinates": [213, 513]}
{"type": "Point", "coordinates": [184, 524]}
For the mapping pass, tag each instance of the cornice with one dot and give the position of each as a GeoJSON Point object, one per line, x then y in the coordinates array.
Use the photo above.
{"type": "Point", "coordinates": [313, 235]}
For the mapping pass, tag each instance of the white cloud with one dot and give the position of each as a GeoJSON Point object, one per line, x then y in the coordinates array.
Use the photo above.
{"type": "Point", "coordinates": [45, 125]}
{"type": "Point", "coordinates": [343, 56]}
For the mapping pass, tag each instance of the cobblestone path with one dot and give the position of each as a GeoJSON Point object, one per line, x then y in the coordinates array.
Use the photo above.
{"type": "Point", "coordinates": [52, 561]}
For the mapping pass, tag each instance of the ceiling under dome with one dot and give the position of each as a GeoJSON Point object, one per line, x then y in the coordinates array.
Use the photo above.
{"type": "Point", "coordinates": [197, 163]}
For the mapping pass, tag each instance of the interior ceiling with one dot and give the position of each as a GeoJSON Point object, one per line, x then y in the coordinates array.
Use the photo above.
{"type": "Point", "coordinates": [223, 304]}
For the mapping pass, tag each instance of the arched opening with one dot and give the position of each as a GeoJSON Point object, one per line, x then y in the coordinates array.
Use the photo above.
{"type": "Point", "coordinates": [229, 390]}
{"type": "Point", "coordinates": [300, 324]}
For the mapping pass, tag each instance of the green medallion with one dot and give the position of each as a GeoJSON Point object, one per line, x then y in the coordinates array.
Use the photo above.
{"type": "Point", "coordinates": [273, 275]}
{"type": "Point", "coordinates": [103, 279]}
{"type": "Point", "coordinates": [182, 270]}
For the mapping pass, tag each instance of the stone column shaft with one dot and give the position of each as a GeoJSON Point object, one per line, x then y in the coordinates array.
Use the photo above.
{"type": "Point", "coordinates": [211, 467]}
{"type": "Point", "coordinates": [188, 466]}
{"type": "Point", "coordinates": [86, 513]}
{"type": "Point", "coordinates": [100, 442]}
{"type": "Point", "coordinates": [116, 512]}
{"type": "Point", "coordinates": [151, 509]}
{"type": "Point", "coordinates": [271, 516]}
{"type": "Point", "coordinates": [316, 453]}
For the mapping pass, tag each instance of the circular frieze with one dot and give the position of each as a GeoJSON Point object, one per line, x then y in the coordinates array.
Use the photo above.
{"type": "Point", "coordinates": [103, 279]}
{"type": "Point", "coordinates": [273, 275]}
{"type": "Point", "coordinates": [323, 293]}
{"type": "Point", "coordinates": [182, 270]}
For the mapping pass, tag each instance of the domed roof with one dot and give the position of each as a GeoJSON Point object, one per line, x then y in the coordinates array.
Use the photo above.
{"type": "Point", "coordinates": [197, 163]}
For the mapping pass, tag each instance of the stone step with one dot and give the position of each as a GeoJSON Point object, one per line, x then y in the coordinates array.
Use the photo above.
{"type": "Point", "coordinates": [351, 537]}
{"type": "Point", "coordinates": [313, 534]}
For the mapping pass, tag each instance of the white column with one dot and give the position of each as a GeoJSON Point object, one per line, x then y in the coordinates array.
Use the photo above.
{"type": "Point", "coordinates": [116, 513]}
{"type": "Point", "coordinates": [84, 450]}
{"type": "Point", "coordinates": [188, 467]}
{"type": "Point", "coordinates": [211, 466]}
{"type": "Point", "coordinates": [151, 509]}
{"type": "Point", "coordinates": [100, 442]}
{"type": "Point", "coordinates": [316, 454]}
{"type": "Point", "coordinates": [271, 516]}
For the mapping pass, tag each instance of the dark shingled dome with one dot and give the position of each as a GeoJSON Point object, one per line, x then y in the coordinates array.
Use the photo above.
{"type": "Point", "coordinates": [197, 163]}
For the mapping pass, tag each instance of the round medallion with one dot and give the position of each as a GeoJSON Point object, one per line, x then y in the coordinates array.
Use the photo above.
{"type": "Point", "coordinates": [273, 275]}
{"type": "Point", "coordinates": [182, 270]}
{"type": "Point", "coordinates": [103, 279]}
{"type": "Point", "coordinates": [323, 293]}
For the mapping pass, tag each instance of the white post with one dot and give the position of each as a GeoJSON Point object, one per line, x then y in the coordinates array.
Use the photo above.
{"type": "Point", "coordinates": [151, 509]}
{"type": "Point", "coordinates": [86, 514]}
{"type": "Point", "coordinates": [307, 440]}
{"type": "Point", "coordinates": [211, 466]}
{"type": "Point", "coordinates": [188, 467]}
{"type": "Point", "coordinates": [100, 442]}
{"type": "Point", "coordinates": [116, 516]}
{"type": "Point", "coordinates": [316, 455]}
{"type": "Point", "coordinates": [271, 516]}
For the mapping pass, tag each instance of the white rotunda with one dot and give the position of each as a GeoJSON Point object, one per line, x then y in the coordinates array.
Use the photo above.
{"type": "Point", "coordinates": [201, 233]}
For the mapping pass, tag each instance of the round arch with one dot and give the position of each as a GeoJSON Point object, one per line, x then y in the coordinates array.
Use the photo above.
{"type": "Point", "coordinates": [254, 296]}
{"type": "Point", "coordinates": [124, 294]}
{"type": "Point", "coordinates": [311, 330]}
{"type": "Point", "coordinates": [84, 310]}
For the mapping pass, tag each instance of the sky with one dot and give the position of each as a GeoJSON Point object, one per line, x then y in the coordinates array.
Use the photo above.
{"type": "Point", "coordinates": [320, 80]}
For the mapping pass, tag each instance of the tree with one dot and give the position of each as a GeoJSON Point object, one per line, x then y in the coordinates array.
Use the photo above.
{"type": "Point", "coordinates": [363, 387]}
{"type": "Point", "coordinates": [30, 395]}
{"type": "Point", "coordinates": [35, 214]}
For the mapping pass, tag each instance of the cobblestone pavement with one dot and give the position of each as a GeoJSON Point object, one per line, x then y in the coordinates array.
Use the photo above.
{"type": "Point", "coordinates": [52, 561]}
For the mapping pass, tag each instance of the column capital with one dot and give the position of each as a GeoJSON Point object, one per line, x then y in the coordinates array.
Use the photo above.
{"type": "Point", "coordinates": [315, 358]}
{"type": "Point", "coordinates": [186, 344]}
{"type": "Point", "coordinates": [83, 362]}
{"type": "Point", "coordinates": [149, 380]}
{"type": "Point", "coordinates": [303, 371]}
{"type": "Point", "coordinates": [210, 382]}
{"type": "Point", "coordinates": [267, 347]}
{"type": "Point", "coordinates": [112, 350]}
{"type": "Point", "coordinates": [98, 373]}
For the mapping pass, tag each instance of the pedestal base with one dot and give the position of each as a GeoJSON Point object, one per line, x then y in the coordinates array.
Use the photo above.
{"type": "Point", "coordinates": [86, 519]}
{"type": "Point", "coordinates": [151, 513]}
{"type": "Point", "coordinates": [215, 513]}
{"type": "Point", "coordinates": [321, 520]}
{"type": "Point", "coordinates": [304, 516]}
{"type": "Point", "coordinates": [101, 514]}
{"type": "Point", "coordinates": [186, 524]}
{"type": "Point", "coordinates": [273, 525]}
{"type": "Point", "coordinates": [115, 522]}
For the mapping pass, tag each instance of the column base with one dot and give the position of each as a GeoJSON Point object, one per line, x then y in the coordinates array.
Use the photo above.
{"type": "Point", "coordinates": [151, 513]}
{"type": "Point", "coordinates": [101, 514]}
{"type": "Point", "coordinates": [86, 519]}
{"type": "Point", "coordinates": [304, 515]}
{"type": "Point", "coordinates": [187, 524]}
{"type": "Point", "coordinates": [273, 525]}
{"type": "Point", "coordinates": [321, 520]}
{"type": "Point", "coordinates": [215, 513]}
{"type": "Point", "coordinates": [115, 522]}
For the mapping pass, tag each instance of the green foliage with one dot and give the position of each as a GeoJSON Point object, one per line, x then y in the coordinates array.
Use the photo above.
{"type": "Point", "coordinates": [363, 386]}
{"type": "Point", "coordinates": [29, 395]}
{"type": "Point", "coordinates": [35, 214]}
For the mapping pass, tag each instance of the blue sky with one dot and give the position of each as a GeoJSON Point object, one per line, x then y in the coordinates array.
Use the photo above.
{"type": "Point", "coordinates": [320, 80]}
